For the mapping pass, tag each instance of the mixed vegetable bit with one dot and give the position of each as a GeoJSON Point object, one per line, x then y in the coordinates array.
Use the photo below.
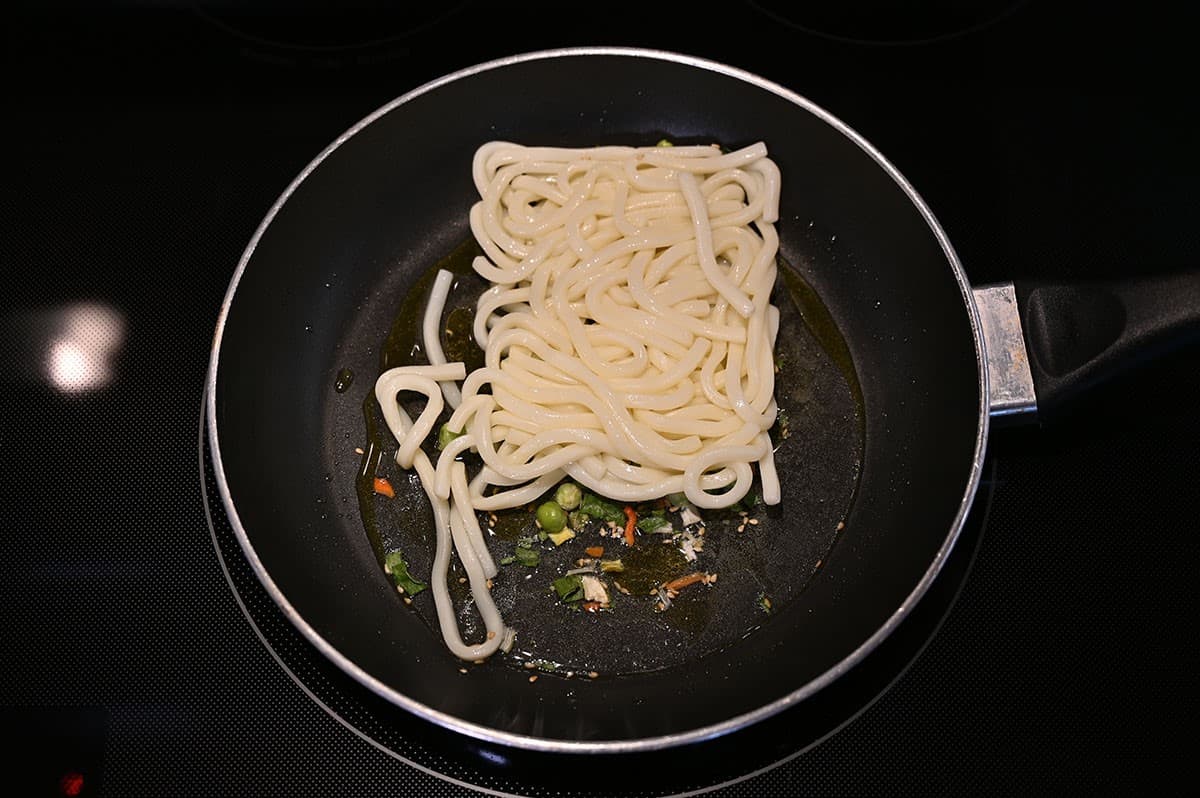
{"type": "Point", "coordinates": [523, 555]}
{"type": "Point", "coordinates": [571, 512]}
{"type": "Point", "coordinates": [569, 588]}
{"type": "Point", "coordinates": [550, 516]}
{"type": "Point", "coordinates": [446, 435]}
{"type": "Point", "coordinates": [562, 536]}
{"type": "Point", "coordinates": [669, 590]}
{"type": "Point", "coordinates": [568, 495]}
{"type": "Point", "coordinates": [397, 567]}
{"type": "Point", "coordinates": [630, 524]}
{"type": "Point", "coordinates": [593, 507]}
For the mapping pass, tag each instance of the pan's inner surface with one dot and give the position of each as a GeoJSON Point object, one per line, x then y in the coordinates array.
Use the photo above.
{"type": "Point", "coordinates": [329, 274]}
{"type": "Point", "coordinates": [762, 557]}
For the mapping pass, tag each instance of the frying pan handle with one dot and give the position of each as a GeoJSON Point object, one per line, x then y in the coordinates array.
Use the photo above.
{"type": "Point", "coordinates": [1079, 335]}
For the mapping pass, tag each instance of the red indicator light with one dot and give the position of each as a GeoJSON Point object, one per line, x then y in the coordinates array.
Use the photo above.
{"type": "Point", "coordinates": [71, 784]}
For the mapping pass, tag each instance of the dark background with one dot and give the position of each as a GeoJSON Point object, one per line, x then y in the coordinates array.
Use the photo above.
{"type": "Point", "coordinates": [146, 141]}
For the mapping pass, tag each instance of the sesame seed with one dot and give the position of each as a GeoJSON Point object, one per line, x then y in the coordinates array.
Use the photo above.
{"type": "Point", "coordinates": [533, 678]}
{"type": "Point", "coordinates": [592, 674]}
{"type": "Point", "coordinates": [753, 522]}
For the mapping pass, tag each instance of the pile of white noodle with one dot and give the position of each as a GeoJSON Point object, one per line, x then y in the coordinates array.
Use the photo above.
{"type": "Point", "coordinates": [628, 336]}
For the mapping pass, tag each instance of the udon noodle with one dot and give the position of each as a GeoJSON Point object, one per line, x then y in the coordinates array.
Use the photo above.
{"type": "Point", "coordinates": [628, 337]}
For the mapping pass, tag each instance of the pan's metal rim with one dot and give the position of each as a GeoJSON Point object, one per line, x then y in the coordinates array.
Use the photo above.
{"type": "Point", "coordinates": [661, 742]}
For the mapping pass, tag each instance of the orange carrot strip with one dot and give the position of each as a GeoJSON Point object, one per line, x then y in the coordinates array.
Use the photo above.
{"type": "Point", "coordinates": [384, 488]}
{"type": "Point", "coordinates": [595, 551]}
{"type": "Point", "coordinates": [630, 524]}
{"type": "Point", "coordinates": [684, 581]}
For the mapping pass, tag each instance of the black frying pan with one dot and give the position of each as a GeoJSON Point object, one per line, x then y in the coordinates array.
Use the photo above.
{"type": "Point", "coordinates": [897, 365]}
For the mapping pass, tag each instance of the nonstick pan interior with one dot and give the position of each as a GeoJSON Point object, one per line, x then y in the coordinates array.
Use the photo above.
{"type": "Point", "coordinates": [323, 283]}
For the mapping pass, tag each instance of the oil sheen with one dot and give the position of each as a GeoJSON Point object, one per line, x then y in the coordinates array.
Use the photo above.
{"type": "Point", "coordinates": [762, 556]}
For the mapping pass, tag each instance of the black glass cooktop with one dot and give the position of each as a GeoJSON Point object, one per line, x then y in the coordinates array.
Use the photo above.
{"type": "Point", "coordinates": [145, 143]}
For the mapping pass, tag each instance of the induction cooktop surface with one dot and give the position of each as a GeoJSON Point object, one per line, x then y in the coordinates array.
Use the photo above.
{"type": "Point", "coordinates": [147, 141]}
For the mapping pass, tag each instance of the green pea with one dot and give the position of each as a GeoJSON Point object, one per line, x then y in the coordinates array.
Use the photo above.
{"type": "Point", "coordinates": [568, 495]}
{"type": "Point", "coordinates": [551, 516]}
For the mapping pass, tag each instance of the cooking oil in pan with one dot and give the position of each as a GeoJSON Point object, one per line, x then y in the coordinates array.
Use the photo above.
{"type": "Point", "coordinates": [756, 558]}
